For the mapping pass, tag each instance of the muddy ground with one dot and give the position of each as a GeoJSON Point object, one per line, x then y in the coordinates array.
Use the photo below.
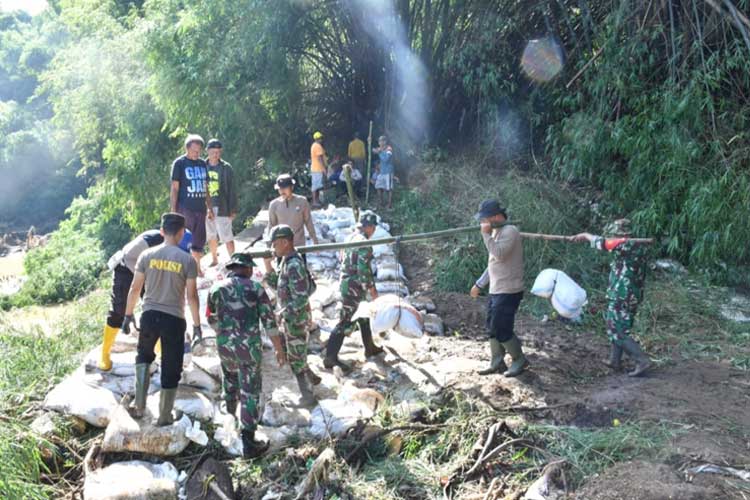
{"type": "Point", "coordinates": [708, 403]}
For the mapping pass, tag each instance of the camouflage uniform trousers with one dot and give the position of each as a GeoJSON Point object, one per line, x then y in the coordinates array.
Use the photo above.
{"type": "Point", "coordinates": [619, 317]}
{"type": "Point", "coordinates": [296, 336]}
{"type": "Point", "coordinates": [352, 294]}
{"type": "Point", "coordinates": [241, 357]}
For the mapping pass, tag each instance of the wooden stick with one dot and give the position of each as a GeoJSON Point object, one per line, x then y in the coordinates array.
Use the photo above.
{"type": "Point", "coordinates": [410, 238]}
{"type": "Point", "coordinates": [369, 163]}
{"type": "Point", "coordinates": [350, 190]}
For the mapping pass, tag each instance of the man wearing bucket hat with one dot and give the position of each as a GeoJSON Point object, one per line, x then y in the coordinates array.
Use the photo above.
{"type": "Point", "coordinates": [294, 285]}
{"type": "Point", "coordinates": [504, 274]}
{"type": "Point", "coordinates": [318, 167]}
{"type": "Point", "coordinates": [237, 306]}
{"type": "Point", "coordinates": [122, 265]}
{"type": "Point", "coordinates": [627, 276]}
{"type": "Point", "coordinates": [292, 210]}
{"type": "Point", "coordinates": [356, 281]}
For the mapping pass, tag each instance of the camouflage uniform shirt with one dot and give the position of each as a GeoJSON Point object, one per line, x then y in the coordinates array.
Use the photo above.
{"type": "Point", "coordinates": [356, 279]}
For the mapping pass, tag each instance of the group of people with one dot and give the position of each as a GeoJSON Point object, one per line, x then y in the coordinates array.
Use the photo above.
{"type": "Point", "coordinates": [383, 176]}
{"type": "Point", "coordinates": [161, 267]}
{"type": "Point", "coordinates": [504, 276]}
{"type": "Point", "coordinates": [157, 267]}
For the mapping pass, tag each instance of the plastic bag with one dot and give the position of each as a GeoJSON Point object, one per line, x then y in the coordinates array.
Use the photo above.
{"type": "Point", "coordinates": [132, 480]}
{"type": "Point", "coordinates": [384, 313]}
{"type": "Point", "coordinates": [410, 323]}
{"type": "Point", "coordinates": [544, 284]}
{"type": "Point", "coordinates": [73, 396]}
{"type": "Point", "coordinates": [568, 298]}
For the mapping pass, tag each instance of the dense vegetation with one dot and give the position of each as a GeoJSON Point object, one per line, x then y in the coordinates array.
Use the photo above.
{"type": "Point", "coordinates": [648, 113]}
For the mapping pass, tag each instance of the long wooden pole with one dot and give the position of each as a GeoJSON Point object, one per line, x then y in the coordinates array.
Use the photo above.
{"type": "Point", "coordinates": [411, 238]}
{"type": "Point", "coordinates": [369, 163]}
{"type": "Point", "coordinates": [350, 190]}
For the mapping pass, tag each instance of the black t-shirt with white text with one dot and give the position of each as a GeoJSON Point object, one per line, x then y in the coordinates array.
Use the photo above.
{"type": "Point", "coordinates": [192, 176]}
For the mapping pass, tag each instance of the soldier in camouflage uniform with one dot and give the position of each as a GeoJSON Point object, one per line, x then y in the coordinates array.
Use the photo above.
{"type": "Point", "coordinates": [624, 293]}
{"type": "Point", "coordinates": [356, 280]}
{"type": "Point", "coordinates": [237, 306]}
{"type": "Point", "coordinates": [294, 286]}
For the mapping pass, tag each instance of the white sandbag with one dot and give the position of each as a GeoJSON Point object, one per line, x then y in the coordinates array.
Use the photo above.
{"type": "Point", "coordinates": [410, 323]}
{"type": "Point", "coordinates": [196, 435]}
{"type": "Point", "coordinates": [433, 324]}
{"type": "Point", "coordinates": [384, 313]}
{"type": "Point", "coordinates": [568, 298]}
{"type": "Point", "coordinates": [392, 287]}
{"type": "Point", "coordinates": [201, 373]}
{"type": "Point", "coordinates": [423, 304]}
{"type": "Point", "coordinates": [324, 295]}
{"type": "Point", "coordinates": [132, 480]}
{"type": "Point", "coordinates": [73, 396]}
{"type": "Point", "coordinates": [124, 433]}
{"type": "Point", "coordinates": [335, 416]}
{"type": "Point", "coordinates": [544, 284]}
{"type": "Point", "coordinates": [119, 386]}
{"type": "Point", "coordinates": [228, 436]}
{"type": "Point", "coordinates": [380, 250]}
{"type": "Point", "coordinates": [123, 363]}
{"type": "Point", "coordinates": [277, 414]}
{"type": "Point", "coordinates": [390, 272]}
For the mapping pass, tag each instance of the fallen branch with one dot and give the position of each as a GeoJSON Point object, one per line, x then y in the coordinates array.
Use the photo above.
{"type": "Point", "coordinates": [384, 432]}
{"type": "Point", "coordinates": [489, 456]}
{"type": "Point", "coordinates": [318, 473]}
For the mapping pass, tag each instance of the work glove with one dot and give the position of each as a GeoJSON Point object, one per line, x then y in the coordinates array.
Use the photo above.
{"type": "Point", "coordinates": [126, 322]}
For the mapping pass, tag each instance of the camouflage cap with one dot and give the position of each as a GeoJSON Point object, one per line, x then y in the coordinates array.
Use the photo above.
{"type": "Point", "coordinates": [282, 231]}
{"type": "Point", "coordinates": [368, 219]}
{"type": "Point", "coordinates": [619, 227]}
{"type": "Point", "coordinates": [240, 260]}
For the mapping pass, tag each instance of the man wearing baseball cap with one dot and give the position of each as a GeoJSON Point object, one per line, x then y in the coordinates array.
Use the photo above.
{"type": "Point", "coordinates": [504, 275]}
{"type": "Point", "coordinates": [223, 195]}
{"type": "Point", "coordinates": [291, 210]}
{"type": "Point", "coordinates": [318, 167]}
{"type": "Point", "coordinates": [294, 285]}
{"type": "Point", "coordinates": [167, 273]}
{"type": "Point", "coordinates": [356, 281]}
{"type": "Point", "coordinates": [237, 307]}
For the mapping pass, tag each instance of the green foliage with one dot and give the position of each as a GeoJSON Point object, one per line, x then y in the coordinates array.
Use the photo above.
{"type": "Point", "coordinates": [34, 360]}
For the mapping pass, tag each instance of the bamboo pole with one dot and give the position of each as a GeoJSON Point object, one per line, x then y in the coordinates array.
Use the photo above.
{"type": "Point", "coordinates": [411, 238]}
{"type": "Point", "coordinates": [369, 163]}
{"type": "Point", "coordinates": [350, 190]}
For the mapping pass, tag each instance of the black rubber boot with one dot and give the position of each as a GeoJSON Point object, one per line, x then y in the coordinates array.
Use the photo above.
{"type": "Point", "coordinates": [231, 406]}
{"type": "Point", "coordinates": [497, 364]}
{"type": "Point", "coordinates": [335, 341]}
{"type": "Point", "coordinates": [251, 447]}
{"type": "Point", "coordinates": [312, 376]}
{"type": "Point", "coordinates": [166, 405]}
{"type": "Point", "coordinates": [370, 348]}
{"type": "Point", "coordinates": [615, 357]}
{"type": "Point", "coordinates": [519, 364]}
{"type": "Point", "coordinates": [308, 399]}
{"type": "Point", "coordinates": [642, 363]}
{"type": "Point", "coordinates": [142, 381]}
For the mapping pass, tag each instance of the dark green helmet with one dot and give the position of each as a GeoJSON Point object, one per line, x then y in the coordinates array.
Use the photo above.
{"type": "Point", "coordinates": [282, 231]}
{"type": "Point", "coordinates": [240, 260]}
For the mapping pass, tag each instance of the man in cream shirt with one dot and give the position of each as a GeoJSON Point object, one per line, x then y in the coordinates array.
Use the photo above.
{"type": "Point", "coordinates": [504, 274]}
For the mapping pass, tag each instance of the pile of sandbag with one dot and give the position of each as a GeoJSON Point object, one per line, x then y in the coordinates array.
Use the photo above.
{"type": "Point", "coordinates": [566, 296]}
{"type": "Point", "coordinates": [391, 312]}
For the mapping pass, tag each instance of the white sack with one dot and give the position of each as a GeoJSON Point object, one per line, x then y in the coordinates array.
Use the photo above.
{"type": "Point", "coordinates": [544, 284]}
{"type": "Point", "coordinates": [132, 480]}
{"type": "Point", "coordinates": [568, 298]}
{"type": "Point", "coordinates": [124, 433]}
{"type": "Point", "coordinates": [410, 324]}
{"type": "Point", "coordinates": [73, 396]}
{"type": "Point", "coordinates": [390, 272]}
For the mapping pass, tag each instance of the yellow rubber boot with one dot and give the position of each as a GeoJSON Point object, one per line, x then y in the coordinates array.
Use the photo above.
{"type": "Point", "coordinates": [105, 363]}
{"type": "Point", "coordinates": [157, 348]}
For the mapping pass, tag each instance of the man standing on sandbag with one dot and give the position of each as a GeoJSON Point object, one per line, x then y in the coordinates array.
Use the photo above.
{"type": "Point", "coordinates": [505, 276]}
{"type": "Point", "coordinates": [237, 306]}
{"type": "Point", "coordinates": [167, 272]}
{"type": "Point", "coordinates": [627, 276]}
{"type": "Point", "coordinates": [292, 210]}
{"type": "Point", "coordinates": [356, 281]}
{"type": "Point", "coordinates": [122, 265]}
{"type": "Point", "coordinates": [294, 285]}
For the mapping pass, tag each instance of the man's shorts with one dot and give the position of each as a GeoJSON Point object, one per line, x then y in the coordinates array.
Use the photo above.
{"type": "Point", "coordinates": [195, 221]}
{"type": "Point", "coordinates": [219, 228]}
{"type": "Point", "coordinates": [384, 181]}
{"type": "Point", "coordinates": [317, 181]}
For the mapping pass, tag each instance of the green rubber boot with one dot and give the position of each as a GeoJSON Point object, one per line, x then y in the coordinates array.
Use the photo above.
{"type": "Point", "coordinates": [142, 381]}
{"type": "Point", "coordinates": [519, 364]}
{"type": "Point", "coordinates": [308, 399]}
{"type": "Point", "coordinates": [166, 404]}
{"type": "Point", "coordinates": [642, 363]}
{"type": "Point", "coordinates": [497, 363]}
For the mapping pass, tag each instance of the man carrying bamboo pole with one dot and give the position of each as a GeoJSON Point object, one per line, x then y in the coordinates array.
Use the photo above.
{"type": "Point", "coordinates": [625, 291]}
{"type": "Point", "coordinates": [356, 281]}
{"type": "Point", "coordinates": [504, 274]}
